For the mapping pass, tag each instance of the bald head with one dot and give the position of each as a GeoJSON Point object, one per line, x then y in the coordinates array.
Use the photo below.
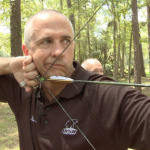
{"type": "Point", "coordinates": [44, 14]}
{"type": "Point", "coordinates": [93, 65]}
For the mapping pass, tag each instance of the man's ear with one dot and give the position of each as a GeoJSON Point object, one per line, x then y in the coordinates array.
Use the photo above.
{"type": "Point", "coordinates": [25, 50]}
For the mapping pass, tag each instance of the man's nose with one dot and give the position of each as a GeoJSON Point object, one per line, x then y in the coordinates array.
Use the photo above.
{"type": "Point", "coordinates": [57, 49]}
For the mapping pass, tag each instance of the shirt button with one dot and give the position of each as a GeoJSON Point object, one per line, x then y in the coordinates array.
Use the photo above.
{"type": "Point", "coordinates": [47, 108]}
{"type": "Point", "coordinates": [46, 122]}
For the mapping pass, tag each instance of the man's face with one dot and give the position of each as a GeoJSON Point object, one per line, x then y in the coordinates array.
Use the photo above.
{"type": "Point", "coordinates": [95, 66]}
{"type": "Point", "coordinates": [51, 35]}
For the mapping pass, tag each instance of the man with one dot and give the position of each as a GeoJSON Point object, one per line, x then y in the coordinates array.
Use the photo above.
{"type": "Point", "coordinates": [94, 65]}
{"type": "Point", "coordinates": [68, 116]}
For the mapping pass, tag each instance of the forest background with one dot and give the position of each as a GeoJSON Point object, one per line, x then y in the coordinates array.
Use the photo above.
{"type": "Point", "coordinates": [118, 34]}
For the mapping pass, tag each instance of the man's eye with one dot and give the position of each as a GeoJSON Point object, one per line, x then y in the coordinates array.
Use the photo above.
{"type": "Point", "coordinates": [46, 42]}
{"type": "Point", "coordinates": [96, 71]}
{"type": "Point", "coordinates": [66, 41]}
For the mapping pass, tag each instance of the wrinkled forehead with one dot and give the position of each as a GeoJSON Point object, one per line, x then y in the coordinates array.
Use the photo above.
{"type": "Point", "coordinates": [51, 20]}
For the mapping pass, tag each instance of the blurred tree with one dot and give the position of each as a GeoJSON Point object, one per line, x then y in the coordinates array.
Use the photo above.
{"type": "Point", "coordinates": [71, 17]}
{"type": "Point", "coordinates": [61, 4]}
{"type": "Point", "coordinates": [15, 26]}
{"type": "Point", "coordinates": [148, 29]}
{"type": "Point", "coordinates": [135, 26]}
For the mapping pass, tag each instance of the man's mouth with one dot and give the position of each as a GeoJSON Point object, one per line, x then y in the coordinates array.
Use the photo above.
{"type": "Point", "coordinates": [56, 65]}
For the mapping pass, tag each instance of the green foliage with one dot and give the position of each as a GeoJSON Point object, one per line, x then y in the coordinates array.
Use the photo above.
{"type": "Point", "coordinates": [3, 53]}
{"type": "Point", "coordinates": [108, 68]}
{"type": "Point", "coordinates": [4, 45]}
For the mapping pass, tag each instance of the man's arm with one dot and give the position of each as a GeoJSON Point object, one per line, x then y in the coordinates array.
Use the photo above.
{"type": "Point", "coordinates": [12, 65]}
{"type": "Point", "coordinates": [5, 65]}
{"type": "Point", "coordinates": [20, 66]}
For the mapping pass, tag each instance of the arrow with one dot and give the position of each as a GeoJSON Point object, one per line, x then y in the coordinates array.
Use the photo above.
{"type": "Point", "coordinates": [65, 80]}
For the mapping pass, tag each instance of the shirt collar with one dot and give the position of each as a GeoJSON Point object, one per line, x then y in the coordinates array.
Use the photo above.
{"type": "Point", "coordinates": [75, 88]}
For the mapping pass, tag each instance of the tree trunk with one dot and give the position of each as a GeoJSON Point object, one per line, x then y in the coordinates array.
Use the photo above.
{"type": "Point", "coordinates": [71, 17]}
{"type": "Point", "coordinates": [61, 5]}
{"type": "Point", "coordinates": [88, 38]}
{"type": "Point", "coordinates": [95, 43]}
{"type": "Point", "coordinates": [148, 27]}
{"type": "Point", "coordinates": [114, 41]}
{"type": "Point", "coordinates": [130, 55]}
{"type": "Point", "coordinates": [123, 49]}
{"type": "Point", "coordinates": [15, 28]}
{"type": "Point", "coordinates": [114, 46]}
{"type": "Point", "coordinates": [105, 57]}
{"type": "Point", "coordinates": [122, 61]}
{"type": "Point", "coordinates": [118, 54]}
{"type": "Point", "coordinates": [135, 26]}
{"type": "Point", "coordinates": [143, 74]}
{"type": "Point", "coordinates": [79, 55]}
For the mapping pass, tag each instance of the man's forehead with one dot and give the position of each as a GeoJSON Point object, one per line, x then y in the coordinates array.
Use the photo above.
{"type": "Point", "coordinates": [43, 17]}
{"type": "Point", "coordinates": [94, 61]}
{"type": "Point", "coordinates": [49, 16]}
{"type": "Point", "coordinates": [49, 21]}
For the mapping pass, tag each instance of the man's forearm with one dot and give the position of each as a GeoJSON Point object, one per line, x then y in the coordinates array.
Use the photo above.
{"type": "Point", "coordinates": [5, 66]}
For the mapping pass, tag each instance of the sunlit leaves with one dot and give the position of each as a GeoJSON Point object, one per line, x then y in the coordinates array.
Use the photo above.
{"type": "Point", "coordinates": [100, 27]}
{"type": "Point", "coordinates": [4, 45]}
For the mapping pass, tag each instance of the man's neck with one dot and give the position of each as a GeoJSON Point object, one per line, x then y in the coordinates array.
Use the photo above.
{"type": "Point", "coordinates": [54, 88]}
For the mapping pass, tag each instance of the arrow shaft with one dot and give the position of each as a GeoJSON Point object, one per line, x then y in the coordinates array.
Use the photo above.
{"type": "Point", "coordinates": [61, 81]}
{"type": "Point", "coordinates": [112, 83]}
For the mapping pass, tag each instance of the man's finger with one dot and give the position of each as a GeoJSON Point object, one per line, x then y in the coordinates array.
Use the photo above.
{"type": "Point", "coordinates": [31, 75]}
{"type": "Point", "coordinates": [29, 67]}
{"type": "Point", "coordinates": [28, 59]}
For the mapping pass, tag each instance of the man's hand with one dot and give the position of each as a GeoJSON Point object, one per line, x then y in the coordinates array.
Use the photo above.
{"type": "Point", "coordinates": [24, 69]}
{"type": "Point", "coordinates": [30, 73]}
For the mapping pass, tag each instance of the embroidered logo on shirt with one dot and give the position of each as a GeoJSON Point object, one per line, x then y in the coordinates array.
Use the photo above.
{"type": "Point", "coordinates": [70, 130]}
{"type": "Point", "coordinates": [32, 119]}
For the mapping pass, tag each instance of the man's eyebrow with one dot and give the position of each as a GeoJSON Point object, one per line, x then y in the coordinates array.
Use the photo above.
{"type": "Point", "coordinates": [43, 38]}
{"type": "Point", "coordinates": [66, 37]}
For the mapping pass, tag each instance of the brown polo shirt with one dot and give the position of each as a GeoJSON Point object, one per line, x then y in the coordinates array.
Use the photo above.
{"type": "Point", "coordinates": [110, 117]}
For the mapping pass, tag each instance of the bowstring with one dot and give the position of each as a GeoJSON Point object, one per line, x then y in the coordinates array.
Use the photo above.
{"type": "Point", "coordinates": [54, 63]}
{"type": "Point", "coordinates": [69, 117]}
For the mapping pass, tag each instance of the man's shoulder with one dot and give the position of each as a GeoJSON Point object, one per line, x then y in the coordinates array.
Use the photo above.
{"type": "Point", "coordinates": [97, 77]}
